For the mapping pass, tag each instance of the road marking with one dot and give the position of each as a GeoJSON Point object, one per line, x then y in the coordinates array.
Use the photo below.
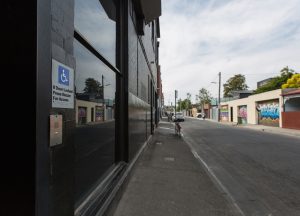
{"type": "Point", "coordinates": [166, 128]}
{"type": "Point", "coordinates": [214, 177]}
{"type": "Point", "coordinates": [169, 159]}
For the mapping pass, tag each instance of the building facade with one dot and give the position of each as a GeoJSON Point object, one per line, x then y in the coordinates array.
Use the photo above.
{"type": "Point", "coordinates": [268, 108]}
{"type": "Point", "coordinates": [291, 109]}
{"type": "Point", "coordinates": [96, 67]}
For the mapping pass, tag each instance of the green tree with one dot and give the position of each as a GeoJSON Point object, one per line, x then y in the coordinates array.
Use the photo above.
{"type": "Point", "coordinates": [293, 82]}
{"type": "Point", "coordinates": [276, 82]}
{"type": "Point", "coordinates": [204, 97]}
{"type": "Point", "coordinates": [185, 104]}
{"type": "Point", "coordinates": [179, 105]}
{"type": "Point", "coordinates": [235, 83]}
{"type": "Point", "coordinates": [92, 86]}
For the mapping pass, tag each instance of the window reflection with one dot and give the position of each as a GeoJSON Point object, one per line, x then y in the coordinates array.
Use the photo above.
{"type": "Point", "coordinates": [95, 20]}
{"type": "Point", "coordinates": [94, 136]}
{"type": "Point", "coordinates": [94, 86]}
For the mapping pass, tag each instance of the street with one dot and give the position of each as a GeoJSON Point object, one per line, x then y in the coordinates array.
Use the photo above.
{"type": "Point", "coordinates": [259, 171]}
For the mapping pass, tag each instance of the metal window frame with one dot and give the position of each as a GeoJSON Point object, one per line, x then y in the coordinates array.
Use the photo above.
{"type": "Point", "coordinates": [88, 46]}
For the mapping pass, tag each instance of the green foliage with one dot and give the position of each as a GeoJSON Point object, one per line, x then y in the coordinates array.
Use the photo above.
{"type": "Point", "coordinates": [204, 96]}
{"type": "Point", "coordinates": [92, 86]}
{"type": "Point", "coordinates": [293, 82]}
{"type": "Point", "coordinates": [185, 104]}
{"type": "Point", "coordinates": [276, 82]}
{"type": "Point", "coordinates": [237, 82]}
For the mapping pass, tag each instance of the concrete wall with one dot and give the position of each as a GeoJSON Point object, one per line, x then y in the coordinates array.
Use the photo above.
{"type": "Point", "coordinates": [251, 103]}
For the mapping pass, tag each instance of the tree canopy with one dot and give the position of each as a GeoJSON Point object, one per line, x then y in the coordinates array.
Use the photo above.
{"type": "Point", "coordinates": [92, 86]}
{"type": "Point", "coordinates": [276, 82]}
{"type": "Point", "coordinates": [293, 82]}
{"type": "Point", "coordinates": [186, 103]}
{"type": "Point", "coordinates": [235, 83]}
{"type": "Point", "coordinates": [204, 96]}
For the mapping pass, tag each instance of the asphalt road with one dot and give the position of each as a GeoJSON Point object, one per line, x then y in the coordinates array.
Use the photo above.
{"type": "Point", "coordinates": [260, 172]}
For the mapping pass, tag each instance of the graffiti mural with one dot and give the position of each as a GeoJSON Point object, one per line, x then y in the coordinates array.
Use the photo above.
{"type": "Point", "coordinates": [268, 113]}
{"type": "Point", "coordinates": [82, 115]}
{"type": "Point", "coordinates": [224, 113]}
{"type": "Point", "coordinates": [242, 114]}
{"type": "Point", "coordinates": [243, 111]}
{"type": "Point", "coordinates": [99, 113]}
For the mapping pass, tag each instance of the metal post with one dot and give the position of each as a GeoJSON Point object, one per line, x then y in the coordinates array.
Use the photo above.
{"type": "Point", "coordinates": [219, 97]}
{"type": "Point", "coordinates": [103, 88]}
{"type": "Point", "coordinates": [103, 103]}
{"type": "Point", "coordinates": [175, 103]}
{"type": "Point", "coordinates": [175, 110]}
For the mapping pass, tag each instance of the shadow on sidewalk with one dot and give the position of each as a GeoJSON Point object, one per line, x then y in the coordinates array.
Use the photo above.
{"type": "Point", "coordinates": [168, 180]}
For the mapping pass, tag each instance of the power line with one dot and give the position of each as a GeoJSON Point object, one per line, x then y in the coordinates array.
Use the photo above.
{"type": "Point", "coordinates": [250, 73]}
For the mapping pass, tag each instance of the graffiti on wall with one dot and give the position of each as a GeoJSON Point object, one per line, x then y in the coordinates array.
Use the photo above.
{"type": "Point", "coordinates": [99, 113]}
{"type": "Point", "coordinates": [224, 113]}
{"type": "Point", "coordinates": [268, 113]}
{"type": "Point", "coordinates": [242, 114]}
{"type": "Point", "coordinates": [242, 111]}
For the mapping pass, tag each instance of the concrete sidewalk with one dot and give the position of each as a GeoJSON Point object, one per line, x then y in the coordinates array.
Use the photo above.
{"type": "Point", "coordinates": [167, 180]}
{"type": "Point", "coordinates": [275, 130]}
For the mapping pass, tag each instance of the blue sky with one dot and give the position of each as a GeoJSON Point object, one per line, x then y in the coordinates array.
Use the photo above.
{"type": "Point", "coordinates": [200, 38]}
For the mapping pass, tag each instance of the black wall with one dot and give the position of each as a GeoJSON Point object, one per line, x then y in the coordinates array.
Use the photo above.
{"type": "Point", "coordinates": [18, 66]}
{"type": "Point", "coordinates": [141, 78]}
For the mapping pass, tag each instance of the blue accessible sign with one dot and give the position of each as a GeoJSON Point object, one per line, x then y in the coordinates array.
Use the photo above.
{"type": "Point", "coordinates": [63, 75]}
{"type": "Point", "coordinates": [62, 85]}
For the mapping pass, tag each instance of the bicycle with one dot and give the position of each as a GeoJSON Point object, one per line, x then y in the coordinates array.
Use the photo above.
{"type": "Point", "coordinates": [177, 128]}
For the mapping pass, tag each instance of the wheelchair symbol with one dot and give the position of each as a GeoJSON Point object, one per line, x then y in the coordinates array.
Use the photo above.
{"type": "Point", "coordinates": [63, 75]}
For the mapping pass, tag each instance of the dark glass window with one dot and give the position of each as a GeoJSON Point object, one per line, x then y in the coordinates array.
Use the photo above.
{"type": "Point", "coordinates": [96, 21]}
{"type": "Point", "coordinates": [95, 86]}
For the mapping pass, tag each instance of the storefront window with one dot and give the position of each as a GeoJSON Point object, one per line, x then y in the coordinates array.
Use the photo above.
{"type": "Point", "coordinates": [95, 86]}
{"type": "Point", "coordinates": [96, 21]}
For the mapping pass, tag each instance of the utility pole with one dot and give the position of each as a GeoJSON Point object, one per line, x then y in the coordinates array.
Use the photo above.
{"type": "Point", "coordinates": [175, 103]}
{"type": "Point", "coordinates": [103, 88]}
{"type": "Point", "coordinates": [219, 97]}
{"type": "Point", "coordinates": [175, 110]}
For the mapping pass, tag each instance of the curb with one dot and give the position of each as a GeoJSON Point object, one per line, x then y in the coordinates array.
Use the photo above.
{"type": "Point", "coordinates": [268, 130]}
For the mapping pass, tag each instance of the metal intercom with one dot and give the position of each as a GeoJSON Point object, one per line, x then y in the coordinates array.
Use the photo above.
{"type": "Point", "coordinates": [55, 130]}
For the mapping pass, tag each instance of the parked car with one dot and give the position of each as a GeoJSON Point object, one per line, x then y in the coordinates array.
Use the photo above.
{"type": "Point", "coordinates": [201, 115]}
{"type": "Point", "coordinates": [179, 116]}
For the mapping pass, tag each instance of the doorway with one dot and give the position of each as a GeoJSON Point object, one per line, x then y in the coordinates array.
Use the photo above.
{"type": "Point", "coordinates": [92, 114]}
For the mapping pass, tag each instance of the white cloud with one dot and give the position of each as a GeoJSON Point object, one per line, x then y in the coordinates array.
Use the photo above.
{"type": "Point", "coordinates": [199, 38]}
